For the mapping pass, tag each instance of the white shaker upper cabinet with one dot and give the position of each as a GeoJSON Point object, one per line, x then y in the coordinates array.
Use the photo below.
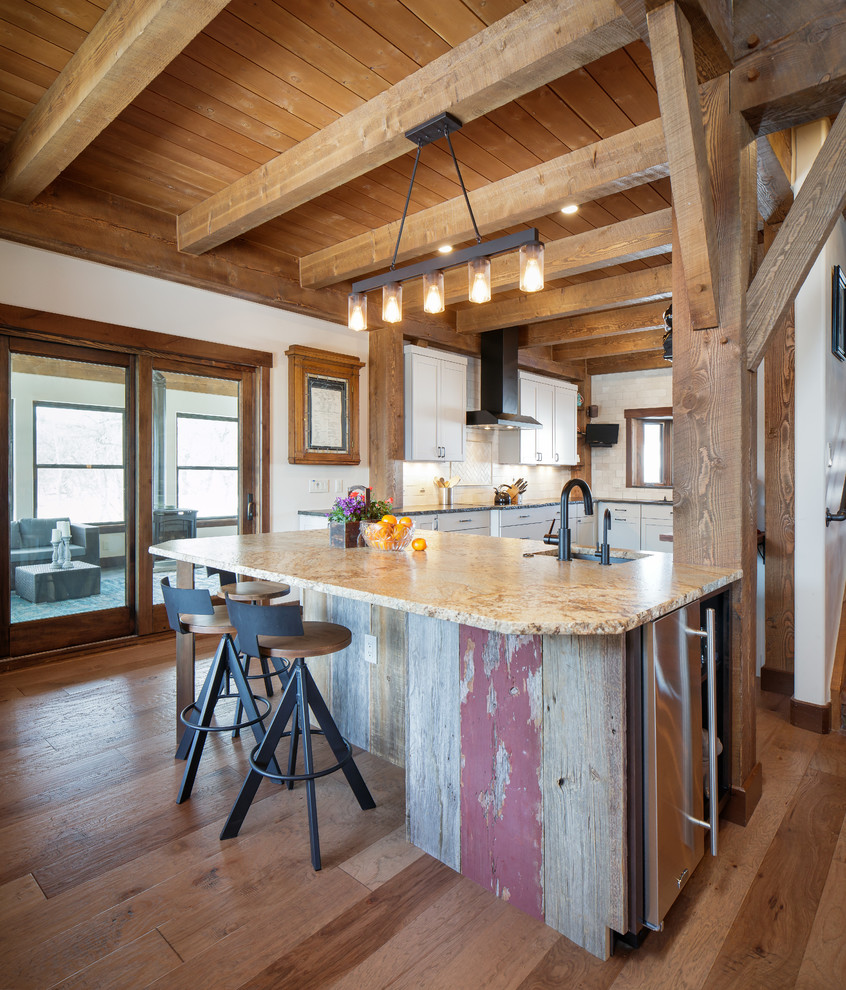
{"type": "Point", "coordinates": [553, 405]}
{"type": "Point", "coordinates": [435, 404]}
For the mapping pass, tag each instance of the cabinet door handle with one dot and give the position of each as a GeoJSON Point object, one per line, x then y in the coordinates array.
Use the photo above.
{"type": "Point", "coordinates": [556, 458]}
{"type": "Point", "coordinates": [709, 635]}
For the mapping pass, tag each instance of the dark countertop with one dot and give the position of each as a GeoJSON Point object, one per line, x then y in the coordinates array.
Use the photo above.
{"type": "Point", "coordinates": [425, 510]}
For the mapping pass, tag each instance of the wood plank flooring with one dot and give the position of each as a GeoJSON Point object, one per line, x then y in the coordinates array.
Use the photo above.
{"type": "Point", "coordinates": [106, 883]}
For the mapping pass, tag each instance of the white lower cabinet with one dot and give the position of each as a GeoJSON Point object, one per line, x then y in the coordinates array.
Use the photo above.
{"type": "Point", "coordinates": [656, 528]}
{"type": "Point", "coordinates": [465, 522]}
{"type": "Point", "coordinates": [625, 524]}
{"type": "Point", "coordinates": [528, 523]}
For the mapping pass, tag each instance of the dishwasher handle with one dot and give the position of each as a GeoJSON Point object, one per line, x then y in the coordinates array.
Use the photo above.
{"type": "Point", "coordinates": [709, 635]}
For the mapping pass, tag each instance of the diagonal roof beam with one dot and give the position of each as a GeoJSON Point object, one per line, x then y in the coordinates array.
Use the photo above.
{"type": "Point", "coordinates": [648, 285]}
{"type": "Point", "coordinates": [678, 96]}
{"type": "Point", "coordinates": [128, 47]}
{"type": "Point", "coordinates": [619, 162]}
{"type": "Point", "coordinates": [629, 240]}
{"type": "Point", "coordinates": [535, 44]}
{"type": "Point", "coordinates": [811, 219]}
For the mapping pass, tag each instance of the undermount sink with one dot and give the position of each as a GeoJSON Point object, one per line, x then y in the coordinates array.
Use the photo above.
{"type": "Point", "coordinates": [592, 557]}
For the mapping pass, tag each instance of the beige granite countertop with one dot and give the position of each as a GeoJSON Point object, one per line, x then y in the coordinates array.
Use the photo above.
{"type": "Point", "coordinates": [477, 580]}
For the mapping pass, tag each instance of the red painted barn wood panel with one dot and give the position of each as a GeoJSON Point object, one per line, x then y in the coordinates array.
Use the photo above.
{"type": "Point", "coordinates": [501, 754]}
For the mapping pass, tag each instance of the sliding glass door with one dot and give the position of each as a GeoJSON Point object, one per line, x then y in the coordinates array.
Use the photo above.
{"type": "Point", "coordinates": [70, 498]}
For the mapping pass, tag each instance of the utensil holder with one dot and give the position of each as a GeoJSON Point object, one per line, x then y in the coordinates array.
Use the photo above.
{"type": "Point", "coordinates": [445, 498]}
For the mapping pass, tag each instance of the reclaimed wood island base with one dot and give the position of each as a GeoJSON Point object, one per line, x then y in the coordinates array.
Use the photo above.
{"type": "Point", "coordinates": [500, 686]}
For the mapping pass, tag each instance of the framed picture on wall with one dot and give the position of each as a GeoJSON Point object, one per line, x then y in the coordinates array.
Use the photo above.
{"type": "Point", "coordinates": [838, 313]}
{"type": "Point", "coordinates": [322, 407]}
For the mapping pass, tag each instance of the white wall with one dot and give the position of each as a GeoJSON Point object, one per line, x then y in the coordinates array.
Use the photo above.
{"type": "Point", "coordinates": [820, 560]}
{"type": "Point", "coordinates": [42, 280]}
{"type": "Point", "coordinates": [613, 394]}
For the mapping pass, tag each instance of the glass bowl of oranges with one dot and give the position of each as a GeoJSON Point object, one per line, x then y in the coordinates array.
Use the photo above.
{"type": "Point", "coordinates": [389, 533]}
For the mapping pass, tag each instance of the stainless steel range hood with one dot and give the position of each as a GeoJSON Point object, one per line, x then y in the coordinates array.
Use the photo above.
{"type": "Point", "coordinates": [500, 396]}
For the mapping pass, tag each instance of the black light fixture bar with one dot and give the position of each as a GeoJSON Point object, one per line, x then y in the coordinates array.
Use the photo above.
{"type": "Point", "coordinates": [483, 250]}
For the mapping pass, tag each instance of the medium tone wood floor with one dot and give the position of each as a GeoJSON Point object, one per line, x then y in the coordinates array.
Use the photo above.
{"type": "Point", "coordinates": [105, 882]}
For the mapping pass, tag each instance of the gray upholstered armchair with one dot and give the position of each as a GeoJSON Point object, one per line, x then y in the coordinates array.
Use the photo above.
{"type": "Point", "coordinates": [29, 542]}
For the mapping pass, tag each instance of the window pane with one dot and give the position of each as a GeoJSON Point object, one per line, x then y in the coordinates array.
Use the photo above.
{"type": "Point", "coordinates": [206, 442]}
{"type": "Point", "coordinates": [82, 494]}
{"type": "Point", "coordinates": [211, 493]}
{"type": "Point", "coordinates": [68, 435]}
{"type": "Point", "coordinates": [653, 453]}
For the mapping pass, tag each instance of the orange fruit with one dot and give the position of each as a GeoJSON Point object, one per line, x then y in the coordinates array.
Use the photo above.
{"type": "Point", "coordinates": [389, 519]}
{"type": "Point", "coordinates": [406, 521]}
{"type": "Point", "coordinates": [418, 544]}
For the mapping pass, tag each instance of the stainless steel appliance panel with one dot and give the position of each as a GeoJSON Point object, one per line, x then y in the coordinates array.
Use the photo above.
{"type": "Point", "coordinates": [672, 755]}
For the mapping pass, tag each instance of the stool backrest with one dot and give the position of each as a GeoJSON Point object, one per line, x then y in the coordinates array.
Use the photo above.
{"type": "Point", "coordinates": [225, 577]}
{"type": "Point", "coordinates": [185, 601]}
{"type": "Point", "coordinates": [253, 621]}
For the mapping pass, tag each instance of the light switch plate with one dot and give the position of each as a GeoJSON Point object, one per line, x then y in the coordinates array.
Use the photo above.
{"type": "Point", "coordinates": [339, 485]}
{"type": "Point", "coordinates": [369, 648]}
{"type": "Point", "coordinates": [318, 485]}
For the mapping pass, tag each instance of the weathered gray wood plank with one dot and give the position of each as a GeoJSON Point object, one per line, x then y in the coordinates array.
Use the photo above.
{"type": "Point", "coordinates": [388, 685]}
{"type": "Point", "coordinates": [584, 788]}
{"type": "Point", "coordinates": [351, 672]}
{"type": "Point", "coordinates": [316, 609]}
{"type": "Point", "coordinates": [433, 741]}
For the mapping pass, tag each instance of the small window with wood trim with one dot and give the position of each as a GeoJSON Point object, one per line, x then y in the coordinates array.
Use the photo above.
{"type": "Point", "coordinates": [649, 448]}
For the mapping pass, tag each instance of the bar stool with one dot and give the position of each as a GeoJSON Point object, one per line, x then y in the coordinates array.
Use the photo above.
{"type": "Point", "coordinates": [280, 632]}
{"type": "Point", "coordinates": [190, 610]}
{"type": "Point", "coordinates": [259, 593]}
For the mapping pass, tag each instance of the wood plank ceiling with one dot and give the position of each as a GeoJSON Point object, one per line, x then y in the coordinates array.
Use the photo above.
{"type": "Point", "coordinates": [263, 76]}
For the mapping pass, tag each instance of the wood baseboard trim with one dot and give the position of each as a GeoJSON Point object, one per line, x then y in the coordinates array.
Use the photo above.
{"type": "Point", "coordinates": [744, 799]}
{"type": "Point", "coordinates": [777, 681]}
{"type": "Point", "coordinates": [815, 718]}
{"type": "Point", "coordinates": [70, 653]}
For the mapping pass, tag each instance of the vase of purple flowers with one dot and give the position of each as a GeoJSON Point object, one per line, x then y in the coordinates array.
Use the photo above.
{"type": "Point", "coordinates": [349, 512]}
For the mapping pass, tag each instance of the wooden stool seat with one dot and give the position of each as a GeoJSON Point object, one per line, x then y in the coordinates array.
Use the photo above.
{"type": "Point", "coordinates": [255, 591]}
{"type": "Point", "coordinates": [318, 639]}
{"type": "Point", "coordinates": [279, 634]}
{"type": "Point", "coordinates": [209, 625]}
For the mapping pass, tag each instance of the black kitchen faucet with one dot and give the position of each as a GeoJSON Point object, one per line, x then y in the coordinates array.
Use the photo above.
{"type": "Point", "coordinates": [563, 538]}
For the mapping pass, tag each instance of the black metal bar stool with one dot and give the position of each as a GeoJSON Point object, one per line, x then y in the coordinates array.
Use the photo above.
{"type": "Point", "coordinates": [259, 593]}
{"type": "Point", "coordinates": [190, 610]}
{"type": "Point", "coordinates": [280, 632]}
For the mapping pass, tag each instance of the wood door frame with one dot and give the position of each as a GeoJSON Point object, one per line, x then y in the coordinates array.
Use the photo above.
{"type": "Point", "coordinates": [139, 350]}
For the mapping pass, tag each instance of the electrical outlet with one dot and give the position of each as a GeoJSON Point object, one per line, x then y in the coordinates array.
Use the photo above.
{"type": "Point", "coordinates": [318, 485]}
{"type": "Point", "coordinates": [339, 485]}
{"type": "Point", "coordinates": [369, 648]}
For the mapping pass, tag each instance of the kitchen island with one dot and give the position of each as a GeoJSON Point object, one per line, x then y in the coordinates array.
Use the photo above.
{"type": "Point", "coordinates": [500, 685]}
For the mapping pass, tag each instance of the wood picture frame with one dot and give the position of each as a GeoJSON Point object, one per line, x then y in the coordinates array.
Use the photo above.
{"type": "Point", "coordinates": [323, 406]}
{"type": "Point", "coordinates": [838, 313]}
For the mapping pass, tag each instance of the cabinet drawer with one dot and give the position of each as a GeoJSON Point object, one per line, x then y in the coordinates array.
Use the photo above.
{"type": "Point", "coordinates": [657, 513]}
{"type": "Point", "coordinates": [464, 522]}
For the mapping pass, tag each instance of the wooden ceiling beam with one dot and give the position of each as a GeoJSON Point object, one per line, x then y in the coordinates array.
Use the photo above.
{"type": "Point", "coordinates": [625, 343]}
{"type": "Point", "coordinates": [130, 45]}
{"type": "Point", "coordinates": [796, 79]}
{"type": "Point", "coordinates": [626, 362]}
{"type": "Point", "coordinates": [647, 285]}
{"type": "Point", "coordinates": [528, 48]}
{"type": "Point", "coordinates": [775, 194]}
{"type": "Point", "coordinates": [620, 162]}
{"type": "Point", "coordinates": [678, 96]}
{"type": "Point", "coordinates": [811, 219]}
{"type": "Point", "coordinates": [603, 323]}
{"type": "Point", "coordinates": [629, 240]}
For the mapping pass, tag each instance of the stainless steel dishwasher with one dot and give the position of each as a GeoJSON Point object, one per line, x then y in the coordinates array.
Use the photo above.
{"type": "Point", "coordinates": [666, 789]}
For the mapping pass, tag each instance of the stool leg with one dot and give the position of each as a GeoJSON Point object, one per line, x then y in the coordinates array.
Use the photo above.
{"type": "Point", "coordinates": [268, 678]}
{"type": "Point", "coordinates": [292, 751]}
{"type": "Point", "coordinates": [247, 701]}
{"type": "Point", "coordinates": [239, 708]}
{"type": "Point", "coordinates": [188, 735]}
{"type": "Point", "coordinates": [308, 760]}
{"type": "Point", "coordinates": [335, 740]}
{"type": "Point", "coordinates": [211, 689]}
{"type": "Point", "coordinates": [263, 756]}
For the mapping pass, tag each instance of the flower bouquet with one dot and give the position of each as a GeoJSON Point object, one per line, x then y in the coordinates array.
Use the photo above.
{"type": "Point", "coordinates": [348, 513]}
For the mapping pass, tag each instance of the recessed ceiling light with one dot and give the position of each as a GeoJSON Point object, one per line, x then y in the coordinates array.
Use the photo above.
{"type": "Point", "coordinates": [445, 248]}
{"type": "Point", "coordinates": [570, 208]}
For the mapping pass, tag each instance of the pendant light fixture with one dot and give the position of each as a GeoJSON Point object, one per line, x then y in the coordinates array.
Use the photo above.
{"type": "Point", "coordinates": [476, 257]}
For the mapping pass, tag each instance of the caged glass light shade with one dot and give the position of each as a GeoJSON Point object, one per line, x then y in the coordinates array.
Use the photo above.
{"type": "Point", "coordinates": [357, 311]}
{"type": "Point", "coordinates": [531, 267]}
{"type": "Point", "coordinates": [479, 280]}
{"type": "Point", "coordinates": [392, 302]}
{"type": "Point", "coordinates": [433, 292]}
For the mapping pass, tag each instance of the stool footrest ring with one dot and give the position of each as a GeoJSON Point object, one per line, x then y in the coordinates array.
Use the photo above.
{"type": "Point", "coordinates": [245, 723]}
{"type": "Point", "coordinates": [283, 777]}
